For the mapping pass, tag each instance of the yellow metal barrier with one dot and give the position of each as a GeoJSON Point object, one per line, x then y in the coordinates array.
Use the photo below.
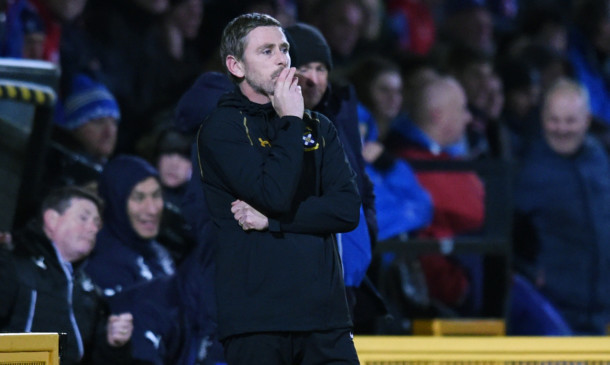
{"type": "Point", "coordinates": [29, 349]}
{"type": "Point", "coordinates": [477, 350]}
{"type": "Point", "coordinates": [459, 327]}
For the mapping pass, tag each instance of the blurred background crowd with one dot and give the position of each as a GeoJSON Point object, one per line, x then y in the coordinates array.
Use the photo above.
{"type": "Point", "coordinates": [521, 84]}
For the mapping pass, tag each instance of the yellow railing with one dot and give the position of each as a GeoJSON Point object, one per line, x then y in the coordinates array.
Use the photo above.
{"type": "Point", "coordinates": [459, 327]}
{"type": "Point", "coordinates": [477, 350]}
{"type": "Point", "coordinates": [29, 349]}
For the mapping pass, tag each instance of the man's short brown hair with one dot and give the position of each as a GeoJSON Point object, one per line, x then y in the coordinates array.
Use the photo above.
{"type": "Point", "coordinates": [60, 199]}
{"type": "Point", "coordinates": [233, 42]}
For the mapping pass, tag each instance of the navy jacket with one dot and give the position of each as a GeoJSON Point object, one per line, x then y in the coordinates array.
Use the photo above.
{"type": "Point", "coordinates": [121, 258]}
{"type": "Point", "coordinates": [566, 203]}
{"type": "Point", "coordinates": [289, 277]}
{"type": "Point", "coordinates": [340, 105]}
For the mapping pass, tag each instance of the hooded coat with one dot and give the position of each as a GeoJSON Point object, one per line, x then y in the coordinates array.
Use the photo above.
{"type": "Point", "coordinates": [293, 170]}
{"type": "Point", "coordinates": [122, 258]}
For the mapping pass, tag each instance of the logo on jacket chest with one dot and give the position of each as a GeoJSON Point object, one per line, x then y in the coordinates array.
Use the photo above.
{"type": "Point", "coordinates": [309, 141]}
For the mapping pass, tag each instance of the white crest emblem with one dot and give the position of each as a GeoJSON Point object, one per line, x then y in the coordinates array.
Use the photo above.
{"type": "Point", "coordinates": [155, 339]}
{"type": "Point", "coordinates": [308, 140]}
{"type": "Point", "coordinates": [39, 261]}
{"type": "Point", "coordinates": [87, 285]}
{"type": "Point", "coordinates": [144, 269]}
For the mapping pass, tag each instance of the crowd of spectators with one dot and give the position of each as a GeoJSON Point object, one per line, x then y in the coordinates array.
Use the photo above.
{"type": "Point", "coordinates": [523, 82]}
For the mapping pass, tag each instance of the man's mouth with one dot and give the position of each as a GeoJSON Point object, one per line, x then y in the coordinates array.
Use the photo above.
{"type": "Point", "coordinates": [276, 73]}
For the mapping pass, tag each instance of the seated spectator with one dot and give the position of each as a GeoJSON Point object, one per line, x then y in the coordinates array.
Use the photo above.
{"type": "Point", "coordinates": [562, 207]}
{"type": "Point", "coordinates": [172, 159]}
{"type": "Point", "coordinates": [342, 23]}
{"type": "Point", "coordinates": [544, 24]}
{"type": "Point", "coordinates": [439, 119]}
{"type": "Point", "coordinates": [137, 61]}
{"type": "Point", "coordinates": [85, 134]}
{"type": "Point", "coordinates": [174, 316]}
{"type": "Point", "coordinates": [378, 84]}
{"type": "Point", "coordinates": [181, 25]}
{"type": "Point", "coordinates": [402, 205]}
{"type": "Point", "coordinates": [35, 27]}
{"type": "Point", "coordinates": [522, 107]}
{"type": "Point", "coordinates": [413, 24]}
{"type": "Point", "coordinates": [589, 53]}
{"type": "Point", "coordinates": [45, 289]}
{"type": "Point", "coordinates": [437, 124]}
{"type": "Point", "coordinates": [24, 35]}
{"type": "Point", "coordinates": [469, 23]}
{"type": "Point", "coordinates": [127, 252]}
{"type": "Point", "coordinates": [474, 70]}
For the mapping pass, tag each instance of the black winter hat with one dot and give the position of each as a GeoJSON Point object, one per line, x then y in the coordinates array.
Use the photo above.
{"type": "Point", "coordinates": [307, 45]}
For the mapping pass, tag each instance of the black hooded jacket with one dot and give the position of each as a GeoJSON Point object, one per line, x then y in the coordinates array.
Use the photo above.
{"type": "Point", "coordinates": [289, 277]}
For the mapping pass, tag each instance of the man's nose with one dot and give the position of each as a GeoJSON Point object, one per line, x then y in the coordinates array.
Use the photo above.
{"type": "Point", "coordinates": [310, 77]}
{"type": "Point", "coordinates": [150, 206]}
{"type": "Point", "coordinates": [283, 59]}
{"type": "Point", "coordinates": [93, 226]}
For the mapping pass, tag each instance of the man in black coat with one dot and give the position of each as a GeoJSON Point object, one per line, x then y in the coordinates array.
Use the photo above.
{"type": "Point", "coordinates": [278, 187]}
{"type": "Point", "coordinates": [44, 288]}
{"type": "Point", "coordinates": [311, 56]}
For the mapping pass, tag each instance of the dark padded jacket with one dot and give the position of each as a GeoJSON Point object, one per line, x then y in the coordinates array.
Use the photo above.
{"type": "Point", "coordinates": [289, 277]}
{"type": "Point", "coordinates": [39, 294]}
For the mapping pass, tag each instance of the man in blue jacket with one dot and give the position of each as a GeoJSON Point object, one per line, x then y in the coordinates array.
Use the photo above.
{"type": "Point", "coordinates": [278, 187]}
{"type": "Point", "coordinates": [562, 201]}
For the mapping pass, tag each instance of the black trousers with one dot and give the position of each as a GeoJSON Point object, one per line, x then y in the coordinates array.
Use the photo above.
{"type": "Point", "coordinates": [292, 348]}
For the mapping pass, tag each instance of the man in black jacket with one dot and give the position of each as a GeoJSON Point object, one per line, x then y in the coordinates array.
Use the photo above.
{"type": "Point", "coordinates": [278, 187]}
{"type": "Point", "coordinates": [311, 55]}
{"type": "Point", "coordinates": [44, 288]}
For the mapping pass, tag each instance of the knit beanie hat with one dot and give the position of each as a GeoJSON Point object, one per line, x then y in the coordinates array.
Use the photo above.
{"type": "Point", "coordinates": [307, 44]}
{"type": "Point", "coordinates": [87, 100]}
{"type": "Point", "coordinates": [171, 140]}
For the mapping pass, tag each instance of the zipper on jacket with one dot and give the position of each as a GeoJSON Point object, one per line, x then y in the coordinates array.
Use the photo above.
{"type": "Point", "coordinates": [77, 334]}
{"type": "Point", "coordinates": [31, 311]}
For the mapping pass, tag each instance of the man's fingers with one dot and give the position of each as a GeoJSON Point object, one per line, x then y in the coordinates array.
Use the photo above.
{"type": "Point", "coordinates": [281, 79]}
{"type": "Point", "coordinates": [288, 78]}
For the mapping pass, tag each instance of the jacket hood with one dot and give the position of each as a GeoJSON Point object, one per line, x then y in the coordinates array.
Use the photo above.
{"type": "Point", "coordinates": [200, 100]}
{"type": "Point", "coordinates": [31, 240]}
{"type": "Point", "coordinates": [236, 99]}
{"type": "Point", "coordinates": [118, 179]}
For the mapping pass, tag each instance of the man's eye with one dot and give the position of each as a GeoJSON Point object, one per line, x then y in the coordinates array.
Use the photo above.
{"type": "Point", "coordinates": [266, 51]}
{"type": "Point", "coordinates": [285, 50]}
{"type": "Point", "coordinates": [137, 198]}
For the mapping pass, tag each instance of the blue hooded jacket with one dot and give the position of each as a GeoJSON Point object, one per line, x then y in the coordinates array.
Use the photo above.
{"type": "Point", "coordinates": [122, 258]}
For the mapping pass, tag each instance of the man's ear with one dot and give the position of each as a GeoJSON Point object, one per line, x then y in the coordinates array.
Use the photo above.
{"type": "Point", "coordinates": [235, 67]}
{"type": "Point", "coordinates": [50, 218]}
